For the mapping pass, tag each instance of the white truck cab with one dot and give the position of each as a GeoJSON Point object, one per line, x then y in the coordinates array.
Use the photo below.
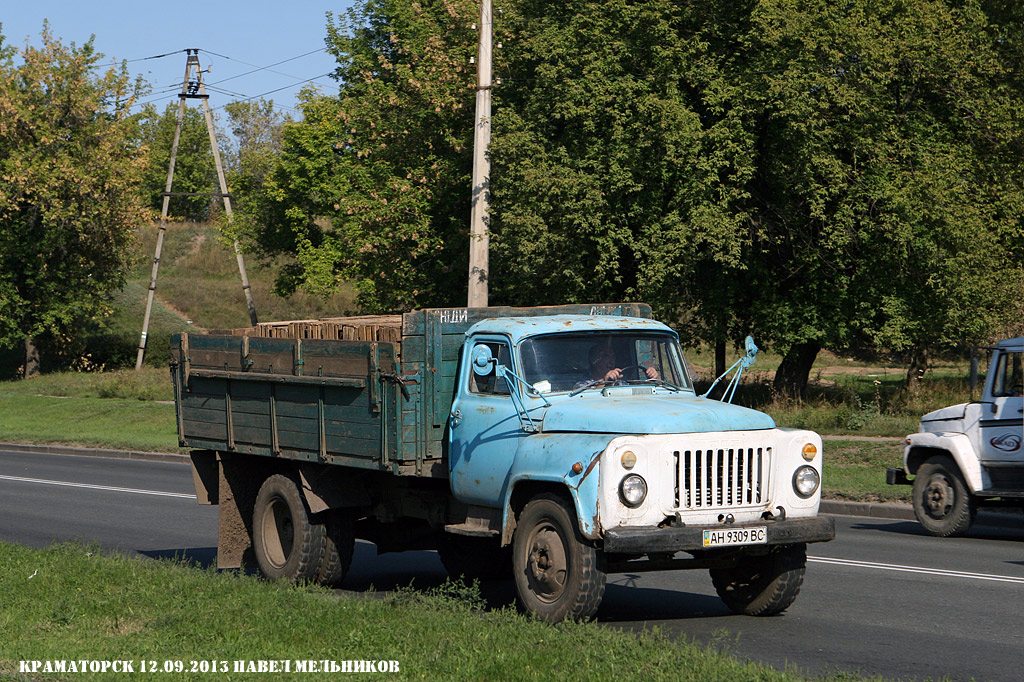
{"type": "Point", "coordinates": [969, 456]}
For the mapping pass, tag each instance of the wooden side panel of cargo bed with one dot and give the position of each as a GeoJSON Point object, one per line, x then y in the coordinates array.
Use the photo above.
{"type": "Point", "coordinates": [304, 399]}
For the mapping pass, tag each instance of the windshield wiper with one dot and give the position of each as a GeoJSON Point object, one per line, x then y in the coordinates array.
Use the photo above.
{"type": "Point", "coordinates": [662, 382]}
{"type": "Point", "coordinates": [590, 383]}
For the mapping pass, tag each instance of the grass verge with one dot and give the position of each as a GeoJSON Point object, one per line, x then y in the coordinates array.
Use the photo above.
{"type": "Point", "coordinates": [855, 470]}
{"type": "Point", "coordinates": [73, 603]}
{"type": "Point", "coordinates": [120, 410]}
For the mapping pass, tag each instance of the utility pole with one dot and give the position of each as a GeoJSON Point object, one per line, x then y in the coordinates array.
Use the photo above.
{"type": "Point", "coordinates": [479, 238]}
{"type": "Point", "coordinates": [190, 89]}
{"type": "Point", "coordinates": [246, 289]}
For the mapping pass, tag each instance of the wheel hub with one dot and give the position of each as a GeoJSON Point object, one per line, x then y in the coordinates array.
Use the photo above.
{"type": "Point", "coordinates": [548, 565]}
{"type": "Point", "coordinates": [938, 497]}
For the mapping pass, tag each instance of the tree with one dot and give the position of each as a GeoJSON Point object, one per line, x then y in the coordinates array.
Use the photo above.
{"type": "Point", "coordinates": [843, 176]}
{"type": "Point", "coordinates": [194, 170]}
{"type": "Point", "coordinates": [253, 146]}
{"type": "Point", "coordinates": [622, 160]}
{"type": "Point", "coordinates": [372, 186]}
{"type": "Point", "coordinates": [889, 177]}
{"type": "Point", "coordinates": [821, 175]}
{"type": "Point", "coordinates": [69, 178]}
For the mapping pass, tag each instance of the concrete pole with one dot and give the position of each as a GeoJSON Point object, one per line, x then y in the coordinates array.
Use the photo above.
{"type": "Point", "coordinates": [163, 212]}
{"type": "Point", "coordinates": [479, 238]}
{"type": "Point", "coordinates": [246, 289]}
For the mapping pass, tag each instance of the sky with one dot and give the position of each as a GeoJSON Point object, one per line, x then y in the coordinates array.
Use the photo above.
{"type": "Point", "coordinates": [237, 40]}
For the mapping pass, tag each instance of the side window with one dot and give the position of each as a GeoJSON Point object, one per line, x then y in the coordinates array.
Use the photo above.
{"type": "Point", "coordinates": [1009, 380]}
{"type": "Point", "coordinates": [491, 384]}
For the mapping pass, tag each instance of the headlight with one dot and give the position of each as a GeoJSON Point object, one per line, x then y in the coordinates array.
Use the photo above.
{"type": "Point", "coordinates": [633, 490]}
{"type": "Point", "coordinates": [806, 481]}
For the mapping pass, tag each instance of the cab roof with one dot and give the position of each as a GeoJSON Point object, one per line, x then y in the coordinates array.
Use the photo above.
{"type": "Point", "coordinates": [519, 328]}
{"type": "Point", "coordinates": [1016, 344]}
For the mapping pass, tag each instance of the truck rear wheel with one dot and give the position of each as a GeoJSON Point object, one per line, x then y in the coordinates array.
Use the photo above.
{"type": "Point", "coordinates": [287, 545]}
{"type": "Point", "coordinates": [941, 501]}
{"type": "Point", "coordinates": [762, 585]}
{"type": "Point", "coordinates": [339, 545]}
{"type": "Point", "coordinates": [557, 574]}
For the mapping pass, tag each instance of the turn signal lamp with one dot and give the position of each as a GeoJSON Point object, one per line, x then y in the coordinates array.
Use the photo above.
{"type": "Point", "coordinates": [810, 451]}
{"type": "Point", "coordinates": [628, 459]}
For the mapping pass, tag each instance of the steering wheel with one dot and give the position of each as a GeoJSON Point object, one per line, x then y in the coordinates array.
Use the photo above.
{"type": "Point", "coordinates": [640, 372]}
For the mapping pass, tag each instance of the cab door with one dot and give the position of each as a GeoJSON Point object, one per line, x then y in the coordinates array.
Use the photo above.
{"type": "Point", "coordinates": [485, 428]}
{"type": "Point", "coordinates": [1002, 419]}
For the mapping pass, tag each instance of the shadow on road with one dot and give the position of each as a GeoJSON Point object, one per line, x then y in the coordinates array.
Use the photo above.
{"type": "Point", "coordinates": [988, 526]}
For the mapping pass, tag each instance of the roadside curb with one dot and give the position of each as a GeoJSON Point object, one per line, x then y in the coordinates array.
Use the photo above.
{"type": "Point", "coordinates": [93, 452]}
{"type": "Point", "coordinates": [873, 510]}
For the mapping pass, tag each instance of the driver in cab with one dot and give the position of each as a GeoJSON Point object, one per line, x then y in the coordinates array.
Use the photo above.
{"type": "Point", "coordinates": [602, 365]}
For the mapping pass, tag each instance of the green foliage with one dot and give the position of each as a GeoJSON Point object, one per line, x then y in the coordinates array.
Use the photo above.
{"type": "Point", "coordinates": [372, 185]}
{"type": "Point", "coordinates": [620, 159]}
{"type": "Point", "coordinates": [839, 176]}
{"type": "Point", "coordinates": [252, 148]}
{"type": "Point", "coordinates": [194, 170]}
{"type": "Point", "coordinates": [69, 177]}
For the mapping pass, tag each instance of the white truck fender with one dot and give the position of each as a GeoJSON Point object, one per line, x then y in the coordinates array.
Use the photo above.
{"type": "Point", "coordinates": [956, 445]}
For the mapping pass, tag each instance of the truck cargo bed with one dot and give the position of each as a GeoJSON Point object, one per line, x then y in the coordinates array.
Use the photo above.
{"type": "Point", "coordinates": [372, 392]}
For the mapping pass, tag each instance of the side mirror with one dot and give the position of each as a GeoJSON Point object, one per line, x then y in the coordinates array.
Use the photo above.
{"type": "Point", "coordinates": [483, 360]}
{"type": "Point", "coordinates": [751, 347]}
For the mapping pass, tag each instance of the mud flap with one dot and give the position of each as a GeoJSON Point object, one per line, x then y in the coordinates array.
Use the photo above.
{"type": "Point", "coordinates": [237, 489]}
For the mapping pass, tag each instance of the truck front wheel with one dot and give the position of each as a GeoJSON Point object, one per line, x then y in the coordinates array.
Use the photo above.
{"type": "Point", "coordinates": [941, 501]}
{"type": "Point", "coordinates": [762, 585]}
{"type": "Point", "coordinates": [557, 574]}
{"type": "Point", "coordinates": [287, 545]}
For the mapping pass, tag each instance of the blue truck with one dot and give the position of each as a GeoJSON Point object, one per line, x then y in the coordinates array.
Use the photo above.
{"type": "Point", "coordinates": [495, 437]}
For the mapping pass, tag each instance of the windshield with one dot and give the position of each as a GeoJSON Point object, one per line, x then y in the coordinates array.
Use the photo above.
{"type": "Point", "coordinates": [564, 362]}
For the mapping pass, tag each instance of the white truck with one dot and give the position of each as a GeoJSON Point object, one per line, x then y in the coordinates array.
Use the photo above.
{"type": "Point", "coordinates": [969, 456]}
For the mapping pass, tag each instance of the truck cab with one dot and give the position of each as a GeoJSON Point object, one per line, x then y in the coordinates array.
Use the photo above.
{"type": "Point", "coordinates": [584, 435]}
{"type": "Point", "coordinates": [969, 456]}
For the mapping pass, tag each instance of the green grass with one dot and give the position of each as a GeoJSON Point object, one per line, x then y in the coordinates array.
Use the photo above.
{"type": "Point", "coordinates": [72, 603]}
{"type": "Point", "coordinates": [199, 278]}
{"type": "Point", "coordinates": [121, 410]}
{"type": "Point", "coordinates": [855, 470]}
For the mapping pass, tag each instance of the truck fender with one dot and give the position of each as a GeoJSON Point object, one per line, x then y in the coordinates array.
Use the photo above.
{"type": "Point", "coordinates": [921, 446]}
{"type": "Point", "coordinates": [580, 488]}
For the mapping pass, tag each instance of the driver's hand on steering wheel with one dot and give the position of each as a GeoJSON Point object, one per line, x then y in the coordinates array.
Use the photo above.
{"type": "Point", "coordinates": [616, 373]}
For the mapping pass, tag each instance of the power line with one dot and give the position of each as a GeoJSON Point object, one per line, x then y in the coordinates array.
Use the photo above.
{"type": "Point", "coordinates": [263, 68]}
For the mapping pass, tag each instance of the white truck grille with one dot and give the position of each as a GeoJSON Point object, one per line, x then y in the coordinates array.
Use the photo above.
{"type": "Point", "coordinates": [715, 478]}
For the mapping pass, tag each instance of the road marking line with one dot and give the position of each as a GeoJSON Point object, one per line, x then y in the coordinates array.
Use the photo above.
{"type": "Point", "coordinates": [97, 487]}
{"type": "Point", "coordinates": [918, 569]}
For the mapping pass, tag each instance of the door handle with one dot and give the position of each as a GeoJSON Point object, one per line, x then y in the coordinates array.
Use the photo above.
{"type": "Point", "coordinates": [456, 418]}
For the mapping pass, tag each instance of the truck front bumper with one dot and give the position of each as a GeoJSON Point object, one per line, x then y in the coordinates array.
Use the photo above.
{"type": "Point", "coordinates": [645, 540]}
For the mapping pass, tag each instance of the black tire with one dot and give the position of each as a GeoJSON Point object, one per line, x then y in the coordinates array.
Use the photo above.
{"type": "Point", "coordinates": [475, 558]}
{"type": "Point", "coordinates": [942, 502]}
{"type": "Point", "coordinates": [288, 546]}
{"type": "Point", "coordinates": [557, 574]}
{"type": "Point", "coordinates": [339, 545]}
{"type": "Point", "coordinates": [762, 585]}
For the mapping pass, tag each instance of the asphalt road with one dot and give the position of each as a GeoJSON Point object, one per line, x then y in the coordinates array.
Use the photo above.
{"type": "Point", "coordinates": [882, 599]}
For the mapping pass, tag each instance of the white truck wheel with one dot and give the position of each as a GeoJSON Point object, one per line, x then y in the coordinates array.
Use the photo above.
{"type": "Point", "coordinates": [941, 501]}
